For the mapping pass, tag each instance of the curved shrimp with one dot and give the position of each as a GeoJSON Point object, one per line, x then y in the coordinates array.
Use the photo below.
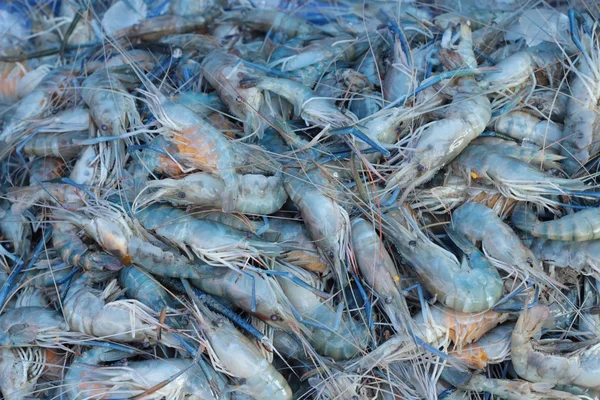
{"type": "Point", "coordinates": [314, 110]}
{"type": "Point", "coordinates": [462, 288]}
{"type": "Point", "coordinates": [137, 377]}
{"type": "Point", "coordinates": [578, 227]}
{"type": "Point", "coordinates": [240, 358]}
{"type": "Point", "coordinates": [258, 194]}
{"type": "Point", "coordinates": [344, 342]}
{"type": "Point", "coordinates": [223, 70]}
{"type": "Point", "coordinates": [538, 363]}
{"type": "Point", "coordinates": [122, 320]}
{"type": "Point", "coordinates": [38, 326]}
{"type": "Point", "coordinates": [498, 241]}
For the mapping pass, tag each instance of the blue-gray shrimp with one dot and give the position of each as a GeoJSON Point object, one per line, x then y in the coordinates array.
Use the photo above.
{"type": "Point", "coordinates": [85, 378]}
{"type": "Point", "coordinates": [344, 342]}
{"type": "Point", "coordinates": [526, 127]}
{"type": "Point", "coordinates": [258, 194]}
{"type": "Point", "coordinates": [20, 369]}
{"type": "Point", "coordinates": [458, 286]}
{"type": "Point", "coordinates": [583, 257]}
{"type": "Point", "coordinates": [223, 71]}
{"type": "Point", "coordinates": [122, 320]}
{"type": "Point", "coordinates": [581, 226]}
{"type": "Point", "coordinates": [491, 348]}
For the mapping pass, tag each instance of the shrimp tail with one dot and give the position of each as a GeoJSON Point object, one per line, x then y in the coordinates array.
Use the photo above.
{"type": "Point", "coordinates": [524, 218]}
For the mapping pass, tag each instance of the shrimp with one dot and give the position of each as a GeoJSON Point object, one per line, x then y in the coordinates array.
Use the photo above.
{"type": "Point", "coordinates": [303, 253]}
{"type": "Point", "coordinates": [458, 286]}
{"type": "Point", "coordinates": [35, 105]}
{"type": "Point", "coordinates": [17, 81]}
{"type": "Point", "coordinates": [325, 219]}
{"type": "Point", "coordinates": [513, 178]}
{"type": "Point", "coordinates": [73, 251]}
{"type": "Point", "coordinates": [112, 109]}
{"type": "Point", "coordinates": [532, 154]}
{"type": "Point", "coordinates": [549, 103]}
{"type": "Point", "coordinates": [20, 369]}
{"type": "Point", "coordinates": [583, 257]}
{"type": "Point", "coordinates": [153, 29]}
{"type": "Point", "coordinates": [258, 194]}
{"type": "Point", "coordinates": [251, 291]}
{"type": "Point", "coordinates": [498, 241]}
{"type": "Point", "coordinates": [240, 358]}
{"type": "Point", "coordinates": [122, 320]}
{"type": "Point", "coordinates": [515, 389]}
{"type": "Point", "coordinates": [341, 343]}
{"type": "Point", "coordinates": [265, 20]}
{"type": "Point", "coordinates": [537, 362]}
{"type": "Point", "coordinates": [526, 127]}
{"type": "Point", "coordinates": [581, 226]}
{"type": "Point", "coordinates": [223, 72]}
{"type": "Point", "coordinates": [35, 326]}
{"type": "Point", "coordinates": [140, 286]}
{"type": "Point", "coordinates": [378, 270]}
{"type": "Point", "coordinates": [175, 378]}
{"type": "Point", "coordinates": [314, 110]}
{"type": "Point", "coordinates": [580, 135]}
{"type": "Point", "coordinates": [441, 141]}
{"type": "Point", "coordinates": [491, 348]}
{"type": "Point", "coordinates": [399, 77]}
{"type": "Point", "coordinates": [15, 228]}
{"type": "Point", "coordinates": [63, 145]}
{"type": "Point", "coordinates": [208, 240]}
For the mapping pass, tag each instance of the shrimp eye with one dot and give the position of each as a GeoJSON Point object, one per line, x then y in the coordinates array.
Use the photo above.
{"type": "Point", "coordinates": [330, 254]}
{"type": "Point", "coordinates": [54, 111]}
{"type": "Point", "coordinates": [181, 195]}
{"type": "Point", "coordinates": [412, 243]}
{"type": "Point", "coordinates": [136, 27]}
{"type": "Point", "coordinates": [420, 168]}
{"type": "Point", "coordinates": [239, 99]}
{"type": "Point", "coordinates": [388, 300]}
{"type": "Point", "coordinates": [104, 127]}
{"type": "Point", "coordinates": [274, 317]}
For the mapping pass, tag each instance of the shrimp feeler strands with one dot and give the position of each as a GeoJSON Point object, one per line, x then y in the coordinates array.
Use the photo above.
{"type": "Point", "coordinates": [211, 201]}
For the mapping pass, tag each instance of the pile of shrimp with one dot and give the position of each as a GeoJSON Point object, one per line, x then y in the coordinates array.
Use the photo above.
{"type": "Point", "coordinates": [235, 199]}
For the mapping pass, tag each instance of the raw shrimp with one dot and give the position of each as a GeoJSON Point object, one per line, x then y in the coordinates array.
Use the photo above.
{"type": "Point", "coordinates": [498, 241]}
{"type": "Point", "coordinates": [224, 71]}
{"type": "Point", "coordinates": [463, 288]}
{"type": "Point", "coordinates": [325, 219]}
{"type": "Point", "coordinates": [136, 378]}
{"type": "Point", "coordinates": [538, 362]}
{"type": "Point", "coordinates": [37, 326]}
{"type": "Point", "coordinates": [16, 229]}
{"type": "Point", "coordinates": [314, 110]}
{"type": "Point", "coordinates": [526, 127]}
{"type": "Point", "coordinates": [584, 257]}
{"type": "Point", "coordinates": [399, 77]}
{"type": "Point", "coordinates": [515, 389]}
{"type": "Point", "coordinates": [378, 270]}
{"type": "Point", "coordinates": [36, 104]}
{"type": "Point", "coordinates": [73, 251]}
{"type": "Point", "coordinates": [258, 194]}
{"type": "Point", "coordinates": [578, 227]}
{"type": "Point", "coordinates": [530, 153]}
{"type": "Point", "coordinates": [122, 320]}
{"type": "Point", "coordinates": [153, 29]}
{"type": "Point", "coordinates": [240, 358]}
{"type": "Point", "coordinates": [264, 20]}
{"type": "Point", "coordinates": [344, 342]}
{"type": "Point", "coordinates": [581, 132]}
{"type": "Point", "coordinates": [441, 141]}
{"type": "Point", "coordinates": [208, 240]}
{"type": "Point", "coordinates": [253, 292]}
{"type": "Point", "coordinates": [548, 103]}
{"type": "Point", "coordinates": [63, 145]}
{"type": "Point", "coordinates": [45, 169]}
{"type": "Point", "coordinates": [514, 178]}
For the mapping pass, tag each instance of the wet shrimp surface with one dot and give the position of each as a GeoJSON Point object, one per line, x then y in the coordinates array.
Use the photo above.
{"type": "Point", "coordinates": [235, 199]}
